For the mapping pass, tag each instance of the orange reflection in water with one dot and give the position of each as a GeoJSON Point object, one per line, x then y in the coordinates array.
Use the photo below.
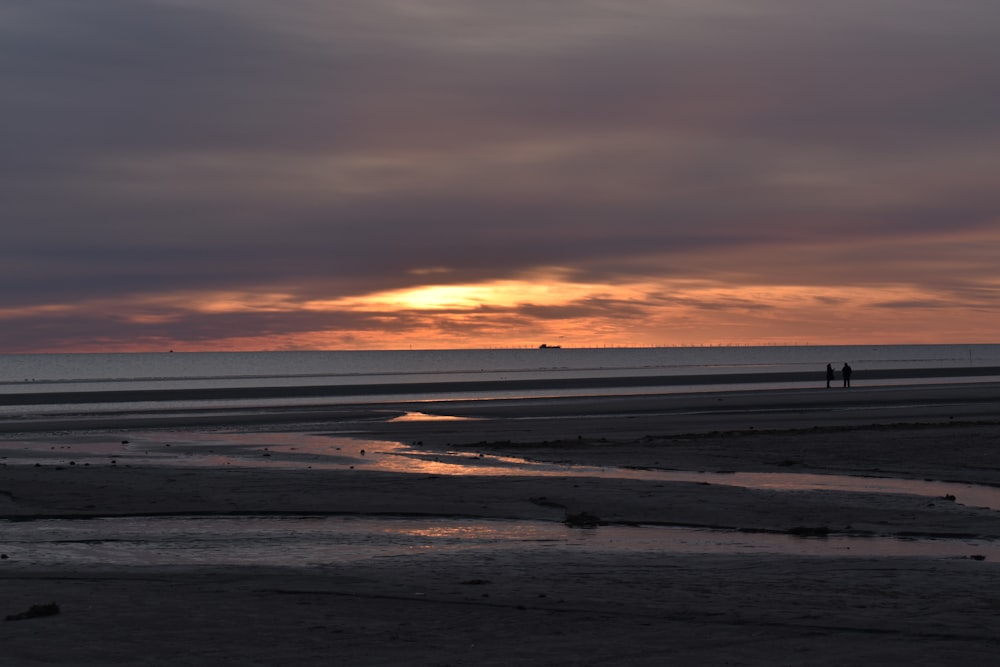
{"type": "Point", "coordinates": [424, 417]}
{"type": "Point", "coordinates": [338, 451]}
{"type": "Point", "coordinates": [451, 532]}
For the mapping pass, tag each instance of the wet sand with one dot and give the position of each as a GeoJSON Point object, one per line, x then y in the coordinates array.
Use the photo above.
{"type": "Point", "coordinates": [533, 605]}
{"type": "Point", "coordinates": [555, 385]}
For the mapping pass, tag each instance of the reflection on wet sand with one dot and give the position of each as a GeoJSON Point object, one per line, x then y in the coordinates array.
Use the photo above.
{"type": "Point", "coordinates": [337, 451]}
{"type": "Point", "coordinates": [308, 541]}
{"type": "Point", "coordinates": [334, 539]}
{"type": "Point", "coordinates": [424, 417]}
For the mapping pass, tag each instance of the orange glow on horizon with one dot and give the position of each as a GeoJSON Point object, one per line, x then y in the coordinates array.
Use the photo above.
{"type": "Point", "coordinates": [541, 308]}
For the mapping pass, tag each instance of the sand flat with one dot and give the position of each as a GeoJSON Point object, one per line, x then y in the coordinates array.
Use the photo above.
{"type": "Point", "coordinates": [532, 605]}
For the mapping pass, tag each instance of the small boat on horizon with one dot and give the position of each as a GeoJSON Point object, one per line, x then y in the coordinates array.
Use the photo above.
{"type": "Point", "coordinates": [544, 346]}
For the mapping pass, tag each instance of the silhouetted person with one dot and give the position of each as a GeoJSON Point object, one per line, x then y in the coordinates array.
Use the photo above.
{"type": "Point", "coordinates": [829, 375]}
{"type": "Point", "coordinates": [846, 372]}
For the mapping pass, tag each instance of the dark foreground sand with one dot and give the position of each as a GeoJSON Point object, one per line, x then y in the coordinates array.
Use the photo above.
{"type": "Point", "coordinates": [532, 605]}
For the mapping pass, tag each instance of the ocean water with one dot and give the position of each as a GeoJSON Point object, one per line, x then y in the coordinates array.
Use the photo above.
{"type": "Point", "coordinates": [49, 380]}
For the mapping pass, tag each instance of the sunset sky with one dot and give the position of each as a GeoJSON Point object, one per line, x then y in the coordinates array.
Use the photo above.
{"type": "Point", "coordinates": [358, 174]}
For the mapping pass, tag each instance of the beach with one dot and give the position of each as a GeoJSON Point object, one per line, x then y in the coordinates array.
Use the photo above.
{"type": "Point", "coordinates": [538, 603]}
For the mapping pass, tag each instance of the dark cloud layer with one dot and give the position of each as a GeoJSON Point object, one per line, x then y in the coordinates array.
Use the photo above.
{"type": "Point", "coordinates": [330, 150]}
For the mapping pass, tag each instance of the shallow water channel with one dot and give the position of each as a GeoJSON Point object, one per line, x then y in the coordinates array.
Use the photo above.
{"type": "Point", "coordinates": [303, 541]}
{"type": "Point", "coordinates": [296, 541]}
{"type": "Point", "coordinates": [338, 452]}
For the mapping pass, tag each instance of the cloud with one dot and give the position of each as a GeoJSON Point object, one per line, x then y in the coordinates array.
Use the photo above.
{"type": "Point", "coordinates": [341, 150]}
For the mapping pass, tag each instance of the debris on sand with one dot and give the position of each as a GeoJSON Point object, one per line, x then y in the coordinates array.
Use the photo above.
{"type": "Point", "coordinates": [36, 611]}
{"type": "Point", "coordinates": [582, 520]}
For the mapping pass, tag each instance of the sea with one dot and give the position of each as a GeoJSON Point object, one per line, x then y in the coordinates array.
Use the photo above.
{"type": "Point", "coordinates": [33, 384]}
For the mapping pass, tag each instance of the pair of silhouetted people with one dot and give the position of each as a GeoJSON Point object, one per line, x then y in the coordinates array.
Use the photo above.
{"type": "Point", "coordinates": [845, 373]}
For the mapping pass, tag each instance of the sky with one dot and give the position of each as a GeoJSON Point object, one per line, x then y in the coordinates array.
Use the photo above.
{"type": "Point", "coordinates": [204, 175]}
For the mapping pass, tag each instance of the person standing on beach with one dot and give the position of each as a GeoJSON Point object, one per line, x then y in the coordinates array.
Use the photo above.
{"type": "Point", "coordinates": [829, 375]}
{"type": "Point", "coordinates": [846, 372]}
